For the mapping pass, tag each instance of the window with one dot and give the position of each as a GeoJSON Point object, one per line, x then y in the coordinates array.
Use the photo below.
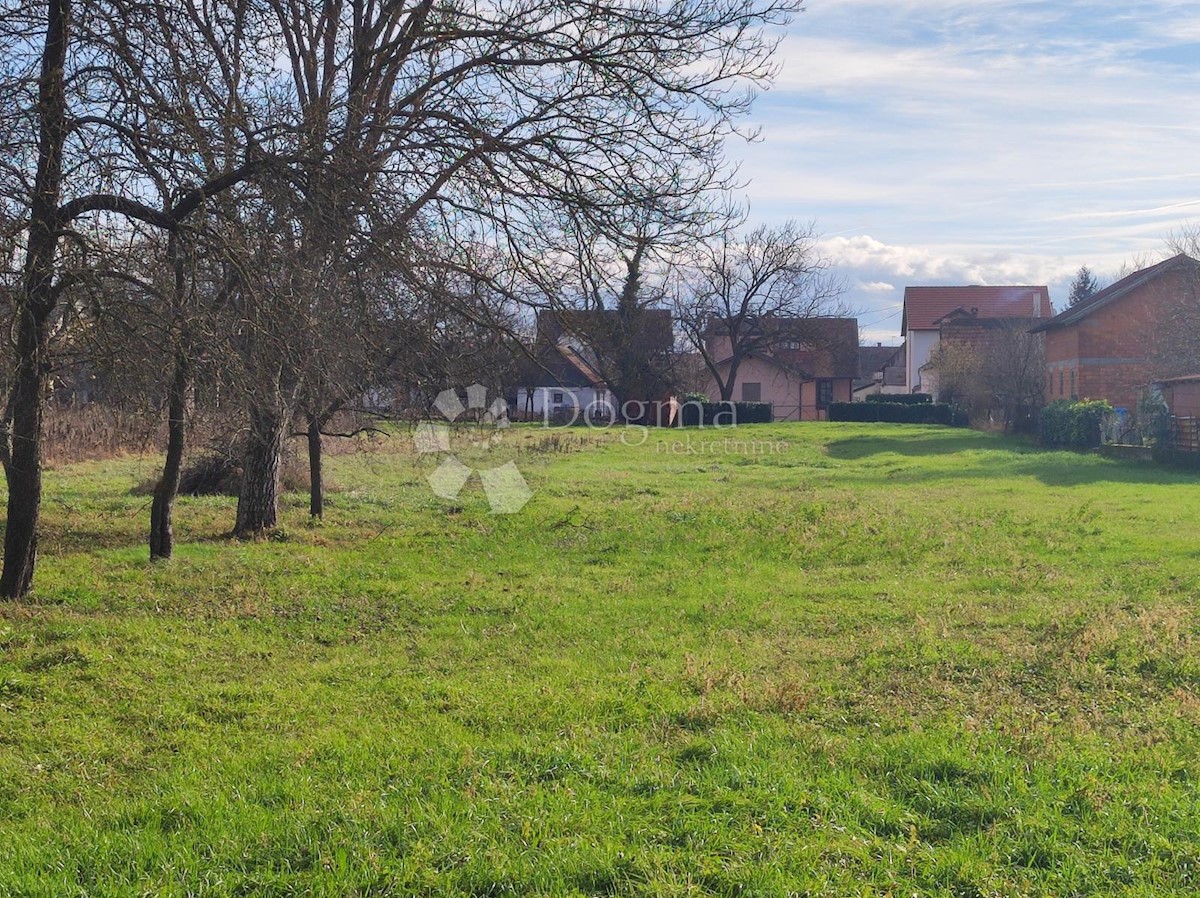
{"type": "Point", "coordinates": [558, 397]}
{"type": "Point", "coordinates": [751, 392]}
{"type": "Point", "coordinates": [790, 344]}
{"type": "Point", "coordinates": [1060, 381]}
{"type": "Point", "coordinates": [824, 393]}
{"type": "Point", "coordinates": [1072, 383]}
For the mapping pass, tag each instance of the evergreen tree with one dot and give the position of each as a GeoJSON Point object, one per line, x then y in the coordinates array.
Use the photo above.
{"type": "Point", "coordinates": [1084, 285]}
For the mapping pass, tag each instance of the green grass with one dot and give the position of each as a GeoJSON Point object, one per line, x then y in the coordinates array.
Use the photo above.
{"type": "Point", "coordinates": [881, 660]}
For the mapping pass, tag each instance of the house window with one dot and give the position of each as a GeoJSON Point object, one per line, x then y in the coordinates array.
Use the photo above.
{"type": "Point", "coordinates": [824, 393]}
{"type": "Point", "coordinates": [558, 397]}
{"type": "Point", "coordinates": [1072, 383]}
{"type": "Point", "coordinates": [751, 392]}
{"type": "Point", "coordinates": [791, 344]}
{"type": "Point", "coordinates": [1060, 381]}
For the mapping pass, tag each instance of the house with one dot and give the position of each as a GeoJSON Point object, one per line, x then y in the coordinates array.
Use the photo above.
{"type": "Point", "coordinates": [807, 364]}
{"type": "Point", "coordinates": [880, 370]}
{"type": "Point", "coordinates": [1115, 342]}
{"type": "Point", "coordinates": [587, 362]}
{"type": "Point", "coordinates": [927, 309]}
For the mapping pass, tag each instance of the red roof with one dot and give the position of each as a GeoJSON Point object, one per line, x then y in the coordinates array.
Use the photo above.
{"type": "Point", "coordinates": [923, 306]}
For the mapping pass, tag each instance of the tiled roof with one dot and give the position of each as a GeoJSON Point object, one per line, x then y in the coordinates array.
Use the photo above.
{"type": "Point", "coordinates": [1116, 291]}
{"type": "Point", "coordinates": [923, 306]}
{"type": "Point", "coordinates": [655, 327]}
{"type": "Point", "coordinates": [888, 359]}
{"type": "Point", "coordinates": [876, 358]}
{"type": "Point", "coordinates": [829, 344]}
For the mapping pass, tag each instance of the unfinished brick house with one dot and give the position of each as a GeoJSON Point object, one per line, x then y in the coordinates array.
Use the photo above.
{"type": "Point", "coordinates": [1114, 343]}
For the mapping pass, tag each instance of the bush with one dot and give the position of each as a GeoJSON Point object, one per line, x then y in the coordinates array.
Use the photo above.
{"type": "Point", "coordinates": [902, 398]}
{"type": "Point", "coordinates": [693, 414]}
{"type": "Point", "coordinates": [1071, 424]}
{"type": "Point", "coordinates": [219, 473]}
{"type": "Point", "coordinates": [898, 413]}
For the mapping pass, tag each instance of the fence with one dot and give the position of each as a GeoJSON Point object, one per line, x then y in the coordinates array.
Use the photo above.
{"type": "Point", "coordinates": [1185, 434]}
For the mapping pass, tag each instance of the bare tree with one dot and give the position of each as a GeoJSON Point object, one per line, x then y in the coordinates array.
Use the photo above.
{"type": "Point", "coordinates": [750, 295]}
{"type": "Point", "coordinates": [496, 123]}
{"type": "Point", "coordinates": [80, 124]}
{"type": "Point", "coordinates": [997, 375]}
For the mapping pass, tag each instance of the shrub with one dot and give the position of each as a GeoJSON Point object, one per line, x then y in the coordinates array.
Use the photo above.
{"type": "Point", "coordinates": [902, 398]}
{"type": "Point", "coordinates": [898, 413]}
{"type": "Point", "coordinates": [219, 473]}
{"type": "Point", "coordinates": [693, 414]}
{"type": "Point", "coordinates": [1073, 424]}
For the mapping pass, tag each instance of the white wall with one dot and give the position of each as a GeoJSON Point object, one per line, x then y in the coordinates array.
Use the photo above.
{"type": "Point", "coordinates": [573, 401]}
{"type": "Point", "coordinates": [919, 347]}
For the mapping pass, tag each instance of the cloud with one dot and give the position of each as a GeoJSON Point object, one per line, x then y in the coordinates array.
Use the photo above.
{"type": "Point", "coordinates": [996, 123]}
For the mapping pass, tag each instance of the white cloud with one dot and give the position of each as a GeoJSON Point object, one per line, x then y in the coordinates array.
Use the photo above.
{"type": "Point", "coordinates": [981, 142]}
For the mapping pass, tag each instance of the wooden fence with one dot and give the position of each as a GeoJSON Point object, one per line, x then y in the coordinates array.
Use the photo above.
{"type": "Point", "coordinates": [1185, 434]}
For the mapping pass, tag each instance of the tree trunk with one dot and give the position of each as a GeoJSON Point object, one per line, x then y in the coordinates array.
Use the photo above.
{"type": "Point", "coordinates": [23, 452]}
{"type": "Point", "coordinates": [258, 499]}
{"type": "Point", "coordinates": [24, 468]}
{"type": "Point", "coordinates": [728, 384]}
{"type": "Point", "coordinates": [316, 483]}
{"type": "Point", "coordinates": [162, 510]}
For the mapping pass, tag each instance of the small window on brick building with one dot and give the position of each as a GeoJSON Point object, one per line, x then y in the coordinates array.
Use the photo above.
{"type": "Point", "coordinates": [1072, 383]}
{"type": "Point", "coordinates": [1060, 381]}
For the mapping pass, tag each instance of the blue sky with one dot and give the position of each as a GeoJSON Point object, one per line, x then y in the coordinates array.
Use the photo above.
{"type": "Point", "coordinates": [982, 142]}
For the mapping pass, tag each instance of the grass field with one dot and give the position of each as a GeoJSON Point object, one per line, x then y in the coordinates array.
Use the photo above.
{"type": "Point", "coordinates": [817, 660]}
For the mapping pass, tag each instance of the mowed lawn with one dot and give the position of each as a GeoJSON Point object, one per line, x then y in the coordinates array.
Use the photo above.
{"type": "Point", "coordinates": [799, 660]}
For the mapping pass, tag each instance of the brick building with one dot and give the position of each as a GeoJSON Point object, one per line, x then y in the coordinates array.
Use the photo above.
{"type": "Point", "coordinates": [1114, 343]}
{"type": "Point", "coordinates": [928, 311]}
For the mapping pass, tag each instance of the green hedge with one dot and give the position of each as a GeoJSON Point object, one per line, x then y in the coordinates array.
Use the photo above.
{"type": "Point", "coordinates": [1176, 458]}
{"type": "Point", "coordinates": [694, 414]}
{"type": "Point", "coordinates": [902, 398]}
{"type": "Point", "coordinates": [1072, 424]}
{"type": "Point", "coordinates": [898, 413]}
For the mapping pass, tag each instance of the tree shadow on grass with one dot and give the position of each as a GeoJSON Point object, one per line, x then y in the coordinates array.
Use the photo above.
{"type": "Point", "coordinates": [993, 456]}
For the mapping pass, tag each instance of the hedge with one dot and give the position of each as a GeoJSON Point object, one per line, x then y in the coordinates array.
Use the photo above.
{"type": "Point", "coordinates": [1071, 424]}
{"type": "Point", "coordinates": [693, 414]}
{"type": "Point", "coordinates": [902, 398]}
{"type": "Point", "coordinates": [898, 413]}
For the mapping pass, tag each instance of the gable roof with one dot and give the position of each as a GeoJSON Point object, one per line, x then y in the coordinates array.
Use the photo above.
{"type": "Point", "coordinates": [655, 327]}
{"type": "Point", "coordinates": [924, 306]}
{"type": "Point", "coordinates": [570, 344]}
{"type": "Point", "coordinates": [828, 345]}
{"type": "Point", "coordinates": [876, 358]}
{"type": "Point", "coordinates": [558, 366]}
{"type": "Point", "coordinates": [1113, 292]}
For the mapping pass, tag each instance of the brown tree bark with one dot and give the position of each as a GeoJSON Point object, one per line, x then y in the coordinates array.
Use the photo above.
{"type": "Point", "coordinates": [23, 454]}
{"type": "Point", "coordinates": [162, 535]}
{"type": "Point", "coordinates": [258, 498]}
{"type": "Point", "coordinates": [316, 479]}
